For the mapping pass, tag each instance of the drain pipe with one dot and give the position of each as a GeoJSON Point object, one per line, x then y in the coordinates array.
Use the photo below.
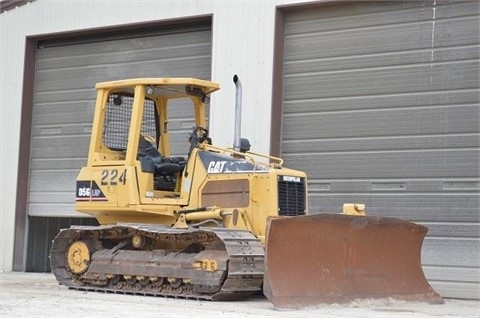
{"type": "Point", "coordinates": [238, 114]}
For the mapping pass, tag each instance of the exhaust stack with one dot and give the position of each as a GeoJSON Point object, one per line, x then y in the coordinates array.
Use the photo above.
{"type": "Point", "coordinates": [238, 113]}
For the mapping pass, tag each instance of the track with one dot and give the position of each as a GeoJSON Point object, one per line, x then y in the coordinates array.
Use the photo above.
{"type": "Point", "coordinates": [194, 263]}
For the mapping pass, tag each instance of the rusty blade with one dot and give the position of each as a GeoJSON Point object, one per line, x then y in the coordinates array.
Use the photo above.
{"type": "Point", "coordinates": [334, 258]}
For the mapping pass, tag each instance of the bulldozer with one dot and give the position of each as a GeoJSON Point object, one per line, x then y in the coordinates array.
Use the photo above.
{"type": "Point", "coordinates": [217, 223]}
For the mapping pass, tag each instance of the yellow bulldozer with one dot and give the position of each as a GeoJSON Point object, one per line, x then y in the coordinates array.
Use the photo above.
{"type": "Point", "coordinates": [217, 223]}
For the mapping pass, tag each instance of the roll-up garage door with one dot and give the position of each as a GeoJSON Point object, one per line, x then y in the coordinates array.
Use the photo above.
{"type": "Point", "coordinates": [381, 106]}
{"type": "Point", "coordinates": [64, 96]}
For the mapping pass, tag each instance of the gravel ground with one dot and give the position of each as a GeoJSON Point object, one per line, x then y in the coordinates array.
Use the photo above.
{"type": "Point", "coordinates": [39, 295]}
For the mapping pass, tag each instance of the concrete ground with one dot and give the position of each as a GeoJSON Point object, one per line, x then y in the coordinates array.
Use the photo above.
{"type": "Point", "coordinates": [39, 295]}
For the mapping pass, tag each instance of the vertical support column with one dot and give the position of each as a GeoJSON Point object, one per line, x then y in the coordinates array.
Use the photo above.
{"type": "Point", "coordinates": [135, 125]}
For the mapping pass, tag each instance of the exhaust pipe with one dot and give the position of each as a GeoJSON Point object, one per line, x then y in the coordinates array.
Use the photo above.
{"type": "Point", "coordinates": [238, 114]}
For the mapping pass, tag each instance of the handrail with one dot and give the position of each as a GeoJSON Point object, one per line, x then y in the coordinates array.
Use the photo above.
{"type": "Point", "coordinates": [246, 155]}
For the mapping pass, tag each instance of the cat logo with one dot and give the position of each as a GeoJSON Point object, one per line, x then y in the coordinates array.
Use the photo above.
{"type": "Point", "coordinates": [216, 166]}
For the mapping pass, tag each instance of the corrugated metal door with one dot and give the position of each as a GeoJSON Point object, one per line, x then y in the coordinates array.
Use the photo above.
{"type": "Point", "coordinates": [381, 106]}
{"type": "Point", "coordinates": [66, 73]}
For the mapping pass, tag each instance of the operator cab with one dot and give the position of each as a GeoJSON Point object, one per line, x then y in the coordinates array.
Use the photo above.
{"type": "Point", "coordinates": [134, 125]}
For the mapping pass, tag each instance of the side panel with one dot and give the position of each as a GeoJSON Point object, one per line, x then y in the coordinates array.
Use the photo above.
{"type": "Point", "coordinates": [107, 187]}
{"type": "Point", "coordinates": [226, 193]}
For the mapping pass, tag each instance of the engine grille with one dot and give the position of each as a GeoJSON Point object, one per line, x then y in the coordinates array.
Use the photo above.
{"type": "Point", "coordinates": [291, 196]}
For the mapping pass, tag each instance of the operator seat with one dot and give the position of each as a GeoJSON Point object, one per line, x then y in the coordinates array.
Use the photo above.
{"type": "Point", "coordinates": [165, 169]}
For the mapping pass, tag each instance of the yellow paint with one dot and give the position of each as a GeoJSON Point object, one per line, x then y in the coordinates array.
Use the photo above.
{"type": "Point", "coordinates": [134, 199]}
{"type": "Point", "coordinates": [78, 257]}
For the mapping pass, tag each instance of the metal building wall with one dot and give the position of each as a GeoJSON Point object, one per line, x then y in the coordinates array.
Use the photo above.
{"type": "Point", "coordinates": [381, 106]}
{"type": "Point", "coordinates": [242, 43]}
{"type": "Point", "coordinates": [64, 99]}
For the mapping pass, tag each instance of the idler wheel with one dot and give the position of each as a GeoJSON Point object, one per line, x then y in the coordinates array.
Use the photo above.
{"type": "Point", "coordinates": [78, 257]}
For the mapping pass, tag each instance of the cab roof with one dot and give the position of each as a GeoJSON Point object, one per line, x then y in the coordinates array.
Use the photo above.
{"type": "Point", "coordinates": [164, 86]}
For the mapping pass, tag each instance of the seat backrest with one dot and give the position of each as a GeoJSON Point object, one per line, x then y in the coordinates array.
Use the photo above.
{"type": "Point", "coordinates": [147, 149]}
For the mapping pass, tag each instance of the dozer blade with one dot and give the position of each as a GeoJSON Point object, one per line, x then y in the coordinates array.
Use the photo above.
{"type": "Point", "coordinates": [334, 258]}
